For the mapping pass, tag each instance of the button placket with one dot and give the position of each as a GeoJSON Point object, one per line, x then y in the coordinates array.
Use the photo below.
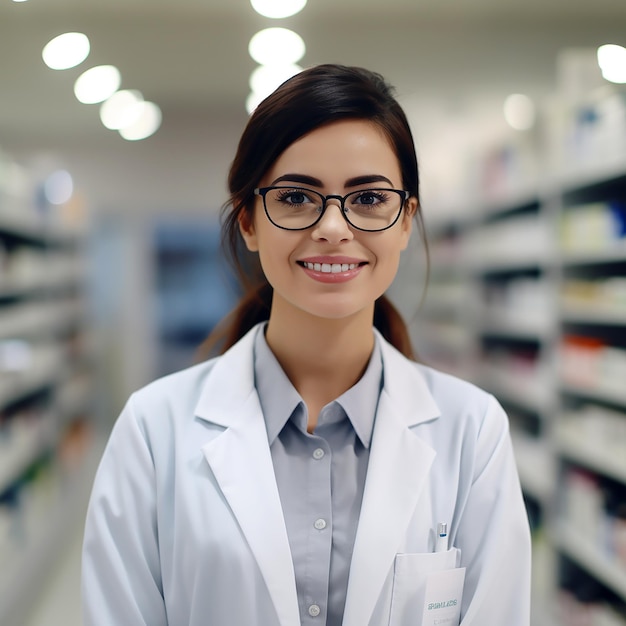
{"type": "Point", "coordinates": [314, 610]}
{"type": "Point", "coordinates": [318, 454]}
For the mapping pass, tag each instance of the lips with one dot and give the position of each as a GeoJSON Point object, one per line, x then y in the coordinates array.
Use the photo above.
{"type": "Point", "coordinates": [332, 269]}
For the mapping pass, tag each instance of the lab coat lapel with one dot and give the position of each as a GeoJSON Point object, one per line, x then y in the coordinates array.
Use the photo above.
{"type": "Point", "coordinates": [397, 473]}
{"type": "Point", "coordinates": [241, 461]}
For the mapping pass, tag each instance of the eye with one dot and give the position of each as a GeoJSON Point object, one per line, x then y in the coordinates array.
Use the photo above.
{"type": "Point", "coordinates": [294, 197]}
{"type": "Point", "coordinates": [369, 197]}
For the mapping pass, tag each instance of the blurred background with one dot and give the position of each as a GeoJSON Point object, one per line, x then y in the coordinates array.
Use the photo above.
{"type": "Point", "coordinates": [111, 272]}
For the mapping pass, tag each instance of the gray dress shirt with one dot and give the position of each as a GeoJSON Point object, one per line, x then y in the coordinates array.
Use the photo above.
{"type": "Point", "coordinates": [320, 477]}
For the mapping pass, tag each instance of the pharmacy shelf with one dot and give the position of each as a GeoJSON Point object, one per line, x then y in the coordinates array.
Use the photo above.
{"type": "Point", "coordinates": [24, 230]}
{"type": "Point", "coordinates": [18, 458]}
{"type": "Point", "coordinates": [510, 387]}
{"type": "Point", "coordinates": [514, 330]}
{"type": "Point", "coordinates": [44, 318]}
{"type": "Point", "coordinates": [611, 254]}
{"type": "Point", "coordinates": [26, 567]}
{"type": "Point", "coordinates": [615, 397]}
{"type": "Point", "coordinates": [484, 268]}
{"type": "Point", "coordinates": [590, 557]}
{"type": "Point", "coordinates": [38, 379]}
{"type": "Point", "coordinates": [45, 382]}
{"type": "Point", "coordinates": [536, 469]}
{"type": "Point", "coordinates": [593, 314]}
{"type": "Point", "coordinates": [511, 264]}
{"type": "Point", "coordinates": [581, 451]}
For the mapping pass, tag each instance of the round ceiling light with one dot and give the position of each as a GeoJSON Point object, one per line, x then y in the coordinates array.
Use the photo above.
{"type": "Point", "coordinates": [278, 8]}
{"type": "Point", "coordinates": [122, 109]}
{"type": "Point", "coordinates": [65, 51]}
{"type": "Point", "coordinates": [276, 46]}
{"type": "Point", "coordinates": [97, 84]}
{"type": "Point", "coordinates": [146, 124]}
{"type": "Point", "coordinates": [612, 62]}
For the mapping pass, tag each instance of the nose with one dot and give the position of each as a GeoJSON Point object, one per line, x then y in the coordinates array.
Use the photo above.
{"type": "Point", "coordinates": [333, 227]}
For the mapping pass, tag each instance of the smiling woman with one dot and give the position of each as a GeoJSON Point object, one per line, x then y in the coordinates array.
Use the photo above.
{"type": "Point", "coordinates": [301, 476]}
{"type": "Point", "coordinates": [360, 229]}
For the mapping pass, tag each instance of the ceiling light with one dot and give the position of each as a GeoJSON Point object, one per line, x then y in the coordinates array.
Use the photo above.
{"type": "Point", "coordinates": [276, 46]}
{"type": "Point", "coordinates": [252, 101]}
{"type": "Point", "coordinates": [147, 124]}
{"type": "Point", "coordinates": [519, 111]}
{"type": "Point", "coordinates": [612, 62]}
{"type": "Point", "coordinates": [97, 84]}
{"type": "Point", "coordinates": [278, 8]}
{"type": "Point", "coordinates": [59, 187]}
{"type": "Point", "coordinates": [266, 78]}
{"type": "Point", "coordinates": [65, 51]}
{"type": "Point", "coordinates": [122, 109]}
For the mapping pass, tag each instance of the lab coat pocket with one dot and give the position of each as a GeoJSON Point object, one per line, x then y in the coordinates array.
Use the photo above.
{"type": "Point", "coordinates": [416, 579]}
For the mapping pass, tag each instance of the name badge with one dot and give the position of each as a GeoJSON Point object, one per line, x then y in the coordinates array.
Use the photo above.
{"type": "Point", "coordinates": [442, 599]}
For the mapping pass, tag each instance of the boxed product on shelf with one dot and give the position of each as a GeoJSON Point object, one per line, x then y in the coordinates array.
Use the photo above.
{"type": "Point", "coordinates": [593, 227]}
{"type": "Point", "coordinates": [520, 239]}
{"type": "Point", "coordinates": [596, 428]}
{"type": "Point", "coordinates": [595, 295]}
{"type": "Point", "coordinates": [595, 512]}
{"type": "Point", "coordinates": [521, 303]}
{"type": "Point", "coordinates": [517, 375]}
{"type": "Point", "coordinates": [592, 364]}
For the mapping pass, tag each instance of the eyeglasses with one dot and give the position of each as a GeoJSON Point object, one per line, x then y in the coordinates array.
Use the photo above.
{"type": "Point", "coordinates": [297, 208]}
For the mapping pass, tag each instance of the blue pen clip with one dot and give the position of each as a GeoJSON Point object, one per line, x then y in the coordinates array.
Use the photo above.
{"type": "Point", "coordinates": [441, 540]}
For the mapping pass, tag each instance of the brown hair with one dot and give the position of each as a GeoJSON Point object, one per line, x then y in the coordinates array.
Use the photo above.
{"type": "Point", "coordinates": [313, 98]}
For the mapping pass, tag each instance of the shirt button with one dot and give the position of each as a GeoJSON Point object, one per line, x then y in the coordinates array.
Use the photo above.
{"type": "Point", "coordinates": [318, 453]}
{"type": "Point", "coordinates": [314, 610]}
{"type": "Point", "coordinates": [320, 524]}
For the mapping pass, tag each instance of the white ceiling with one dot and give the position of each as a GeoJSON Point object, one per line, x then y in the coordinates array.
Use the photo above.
{"type": "Point", "coordinates": [190, 56]}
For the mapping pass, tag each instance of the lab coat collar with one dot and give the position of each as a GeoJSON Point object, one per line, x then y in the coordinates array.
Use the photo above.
{"type": "Point", "coordinates": [231, 382]}
{"type": "Point", "coordinates": [397, 472]}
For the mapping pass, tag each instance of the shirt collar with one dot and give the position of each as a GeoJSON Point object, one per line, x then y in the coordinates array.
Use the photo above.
{"type": "Point", "coordinates": [279, 398]}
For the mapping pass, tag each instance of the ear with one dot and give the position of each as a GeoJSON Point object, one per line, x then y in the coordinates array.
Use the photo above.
{"type": "Point", "coordinates": [248, 232]}
{"type": "Point", "coordinates": [407, 220]}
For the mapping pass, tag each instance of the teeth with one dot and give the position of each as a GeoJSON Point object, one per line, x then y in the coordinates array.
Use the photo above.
{"type": "Point", "coordinates": [328, 268]}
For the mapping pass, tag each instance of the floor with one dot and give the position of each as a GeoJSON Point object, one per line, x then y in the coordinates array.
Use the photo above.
{"type": "Point", "coordinates": [59, 604]}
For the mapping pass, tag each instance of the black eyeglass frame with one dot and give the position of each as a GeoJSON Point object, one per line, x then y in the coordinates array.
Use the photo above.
{"type": "Point", "coordinates": [405, 195]}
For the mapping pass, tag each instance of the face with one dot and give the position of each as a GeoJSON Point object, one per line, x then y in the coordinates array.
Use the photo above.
{"type": "Point", "coordinates": [339, 158]}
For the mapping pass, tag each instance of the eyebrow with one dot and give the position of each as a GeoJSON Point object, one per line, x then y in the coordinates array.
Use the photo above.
{"type": "Point", "coordinates": [316, 182]}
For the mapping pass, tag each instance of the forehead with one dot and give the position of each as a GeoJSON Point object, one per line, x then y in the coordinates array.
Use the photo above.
{"type": "Point", "coordinates": [340, 150]}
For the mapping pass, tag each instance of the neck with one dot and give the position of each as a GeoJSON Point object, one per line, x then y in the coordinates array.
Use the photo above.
{"type": "Point", "coordinates": [322, 358]}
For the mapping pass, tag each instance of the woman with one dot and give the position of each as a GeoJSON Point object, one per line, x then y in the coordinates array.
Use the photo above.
{"type": "Point", "coordinates": [300, 477]}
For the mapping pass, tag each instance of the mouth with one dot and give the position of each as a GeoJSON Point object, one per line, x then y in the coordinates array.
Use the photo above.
{"type": "Point", "coordinates": [331, 268]}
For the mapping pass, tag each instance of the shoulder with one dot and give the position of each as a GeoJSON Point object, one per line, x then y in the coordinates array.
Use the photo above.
{"type": "Point", "coordinates": [179, 388]}
{"type": "Point", "coordinates": [223, 376]}
{"type": "Point", "coordinates": [453, 403]}
{"type": "Point", "coordinates": [471, 426]}
{"type": "Point", "coordinates": [455, 395]}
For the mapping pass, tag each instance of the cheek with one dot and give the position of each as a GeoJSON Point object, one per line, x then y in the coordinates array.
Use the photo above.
{"type": "Point", "coordinates": [274, 252]}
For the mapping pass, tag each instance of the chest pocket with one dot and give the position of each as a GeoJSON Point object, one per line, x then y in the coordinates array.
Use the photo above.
{"type": "Point", "coordinates": [409, 583]}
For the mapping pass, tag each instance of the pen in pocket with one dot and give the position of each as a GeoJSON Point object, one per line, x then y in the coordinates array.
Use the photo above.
{"type": "Point", "coordinates": [441, 540]}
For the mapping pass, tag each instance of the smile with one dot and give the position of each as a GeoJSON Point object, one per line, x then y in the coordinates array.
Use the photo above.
{"type": "Point", "coordinates": [330, 268]}
{"type": "Point", "coordinates": [334, 273]}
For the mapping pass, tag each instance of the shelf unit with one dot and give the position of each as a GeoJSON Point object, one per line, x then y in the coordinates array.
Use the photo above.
{"type": "Point", "coordinates": [541, 286]}
{"type": "Point", "coordinates": [47, 451]}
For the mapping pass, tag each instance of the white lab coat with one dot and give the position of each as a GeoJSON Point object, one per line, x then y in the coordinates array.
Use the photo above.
{"type": "Point", "coordinates": [185, 525]}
